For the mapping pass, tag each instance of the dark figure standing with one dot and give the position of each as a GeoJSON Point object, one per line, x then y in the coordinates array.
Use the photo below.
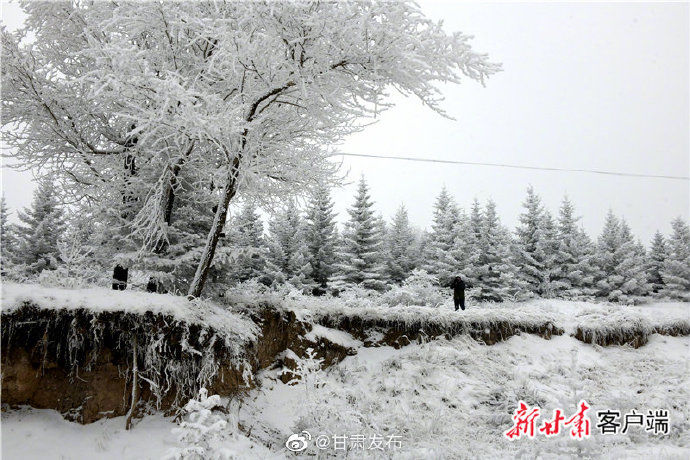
{"type": "Point", "coordinates": [120, 278]}
{"type": "Point", "coordinates": [458, 286]}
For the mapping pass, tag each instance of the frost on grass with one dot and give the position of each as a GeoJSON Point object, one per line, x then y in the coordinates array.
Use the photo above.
{"type": "Point", "coordinates": [455, 398]}
{"type": "Point", "coordinates": [614, 325]}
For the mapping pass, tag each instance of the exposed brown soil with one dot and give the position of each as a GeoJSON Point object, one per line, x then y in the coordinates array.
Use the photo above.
{"type": "Point", "coordinates": [399, 334]}
{"type": "Point", "coordinates": [79, 362]}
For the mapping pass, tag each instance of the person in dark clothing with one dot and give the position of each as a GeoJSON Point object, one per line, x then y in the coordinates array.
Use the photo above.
{"type": "Point", "coordinates": [458, 286]}
{"type": "Point", "coordinates": [120, 277]}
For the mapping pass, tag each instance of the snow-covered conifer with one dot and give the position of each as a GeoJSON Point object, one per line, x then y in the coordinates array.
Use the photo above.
{"type": "Point", "coordinates": [402, 247]}
{"type": "Point", "coordinates": [439, 257]}
{"type": "Point", "coordinates": [287, 257]}
{"type": "Point", "coordinates": [320, 236]}
{"type": "Point", "coordinates": [361, 260]}
{"type": "Point", "coordinates": [572, 256]}
{"type": "Point", "coordinates": [676, 269]}
{"type": "Point", "coordinates": [41, 227]}
{"type": "Point", "coordinates": [546, 252]}
{"type": "Point", "coordinates": [655, 261]}
{"type": "Point", "coordinates": [496, 275]}
{"type": "Point", "coordinates": [247, 242]}
{"type": "Point", "coordinates": [620, 263]}
{"type": "Point", "coordinates": [7, 240]}
{"type": "Point", "coordinates": [528, 259]}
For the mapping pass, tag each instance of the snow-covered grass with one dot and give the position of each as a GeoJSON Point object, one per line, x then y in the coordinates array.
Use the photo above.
{"type": "Point", "coordinates": [367, 308]}
{"type": "Point", "coordinates": [454, 398]}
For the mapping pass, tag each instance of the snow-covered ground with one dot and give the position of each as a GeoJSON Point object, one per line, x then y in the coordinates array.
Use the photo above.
{"type": "Point", "coordinates": [441, 399]}
{"type": "Point", "coordinates": [455, 399]}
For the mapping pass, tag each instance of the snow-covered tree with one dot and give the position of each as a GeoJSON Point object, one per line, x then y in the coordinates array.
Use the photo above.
{"type": "Point", "coordinates": [633, 265]}
{"type": "Point", "coordinates": [41, 227]}
{"type": "Point", "coordinates": [246, 93]}
{"type": "Point", "coordinates": [7, 240]}
{"type": "Point", "coordinates": [676, 269]}
{"type": "Point", "coordinates": [402, 247]}
{"type": "Point", "coordinates": [361, 261]}
{"type": "Point", "coordinates": [320, 236]}
{"type": "Point", "coordinates": [247, 241]}
{"type": "Point", "coordinates": [528, 258]}
{"type": "Point", "coordinates": [620, 263]}
{"type": "Point", "coordinates": [497, 277]}
{"type": "Point", "coordinates": [573, 259]}
{"type": "Point", "coordinates": [287, 258]}
{"type": "Point", "coordinates": [439, 256]}
{"type": "Point", "coordinates": [655, 261]}
{"type": "Point", "coordinates": [467, 245]}
{"type": "Point", "coordinates": [546, 252]}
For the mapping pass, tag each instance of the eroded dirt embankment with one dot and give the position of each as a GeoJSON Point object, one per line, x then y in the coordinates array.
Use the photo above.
{"type": "Point", "coordinates": [80, 362]}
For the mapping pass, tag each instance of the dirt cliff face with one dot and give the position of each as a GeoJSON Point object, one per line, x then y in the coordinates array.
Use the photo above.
{"type": "Point", "coordinates": [80, 363]}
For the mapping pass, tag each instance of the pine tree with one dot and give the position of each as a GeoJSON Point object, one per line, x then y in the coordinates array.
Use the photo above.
{"type": "Point", "coordinates": [401, 247]}
{"type": "Point", "coordinates": [247, 242]}
{"type": "Point", "coordinates": [655, 261]}
{"type": "Point", "coordinates": [527, 257]}
{"type": "Point", "coordinates": [608, 256]}
{"type": "Point", "coordinates": [440, 261]}
{"type": "Point", "coordinates": [361, 262]}
{"type": "Point", "coordinates": [546, 253]}
{"type": "Point", "coordinates": [633, 266]}
{"type": "Point", "coordinates": [287, 258]}
{"type": "Point", "coordinates": [320, 236]}
{"type": "Point", "coordinates": [572, 256]}
{"type": "Point", "coordinates": [41, 228]}
{"type": "Point", "coordinates": [7, 240]}
{"type": "Point", "coordinates": [470, 242]}
{"type": "Point", "coordinates": [620, 262]}
{"type": "Point", "coordinates": [676, 269]}
{"type": "Point", "coordinates": [496, 274]}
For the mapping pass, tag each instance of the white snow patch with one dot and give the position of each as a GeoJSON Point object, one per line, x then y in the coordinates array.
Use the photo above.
{"type": "Point", "coordinates": [333, 335]}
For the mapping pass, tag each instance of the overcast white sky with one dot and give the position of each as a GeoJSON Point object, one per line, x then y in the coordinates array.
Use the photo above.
{"type": "Point", "coordinates": [588, 85]}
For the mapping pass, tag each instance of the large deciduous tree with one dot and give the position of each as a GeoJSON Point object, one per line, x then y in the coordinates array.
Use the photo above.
{"type": "Point", "coordinates": [117, 98]}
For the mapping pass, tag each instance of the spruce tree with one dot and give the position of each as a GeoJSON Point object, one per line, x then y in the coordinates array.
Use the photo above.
{"type": "Point", "coordinates": [655, 261]}
{"type": "Point", "coordinates": [440, 260]}
{"type": "Point", "coordinates": [287, 258]}
{"type": "Point", "coordinates": [470, 242]}
{"type": "Point", "coordinates": [676, 269]}
{"type": "Point", "coordinates": [361, 260]}
{"type": "Point", "coordinates": [320, 236]}
{"type": "Point", "coordinates": [401, 247]}
{"type": "Point", "coordinates": [546, 252]}
{"type": "Point", "coordinates": [528, 258]}
{"type": "Point", "coordinates": [7, 243]}
{"type": "Point", "coordinates": [572, 256]}
{"type": "Point", "coordinates": [633, 266]}
{"type": "Point", "coordinates": [608, 256]}
{"type": "Point", "coordinates": [41, 228]}
{"type": "Point", "coordinates": [247, 241]}
{"type": "Point", "coordinates": [620, 263]}
{"type": "Point", "coordinates": [496, 274]}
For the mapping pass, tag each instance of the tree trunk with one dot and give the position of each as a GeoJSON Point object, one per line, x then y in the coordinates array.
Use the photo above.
{"type": "Point", "coordinates": [214, 234]}
{"type": "Point", "coordinates": [135, 385]}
